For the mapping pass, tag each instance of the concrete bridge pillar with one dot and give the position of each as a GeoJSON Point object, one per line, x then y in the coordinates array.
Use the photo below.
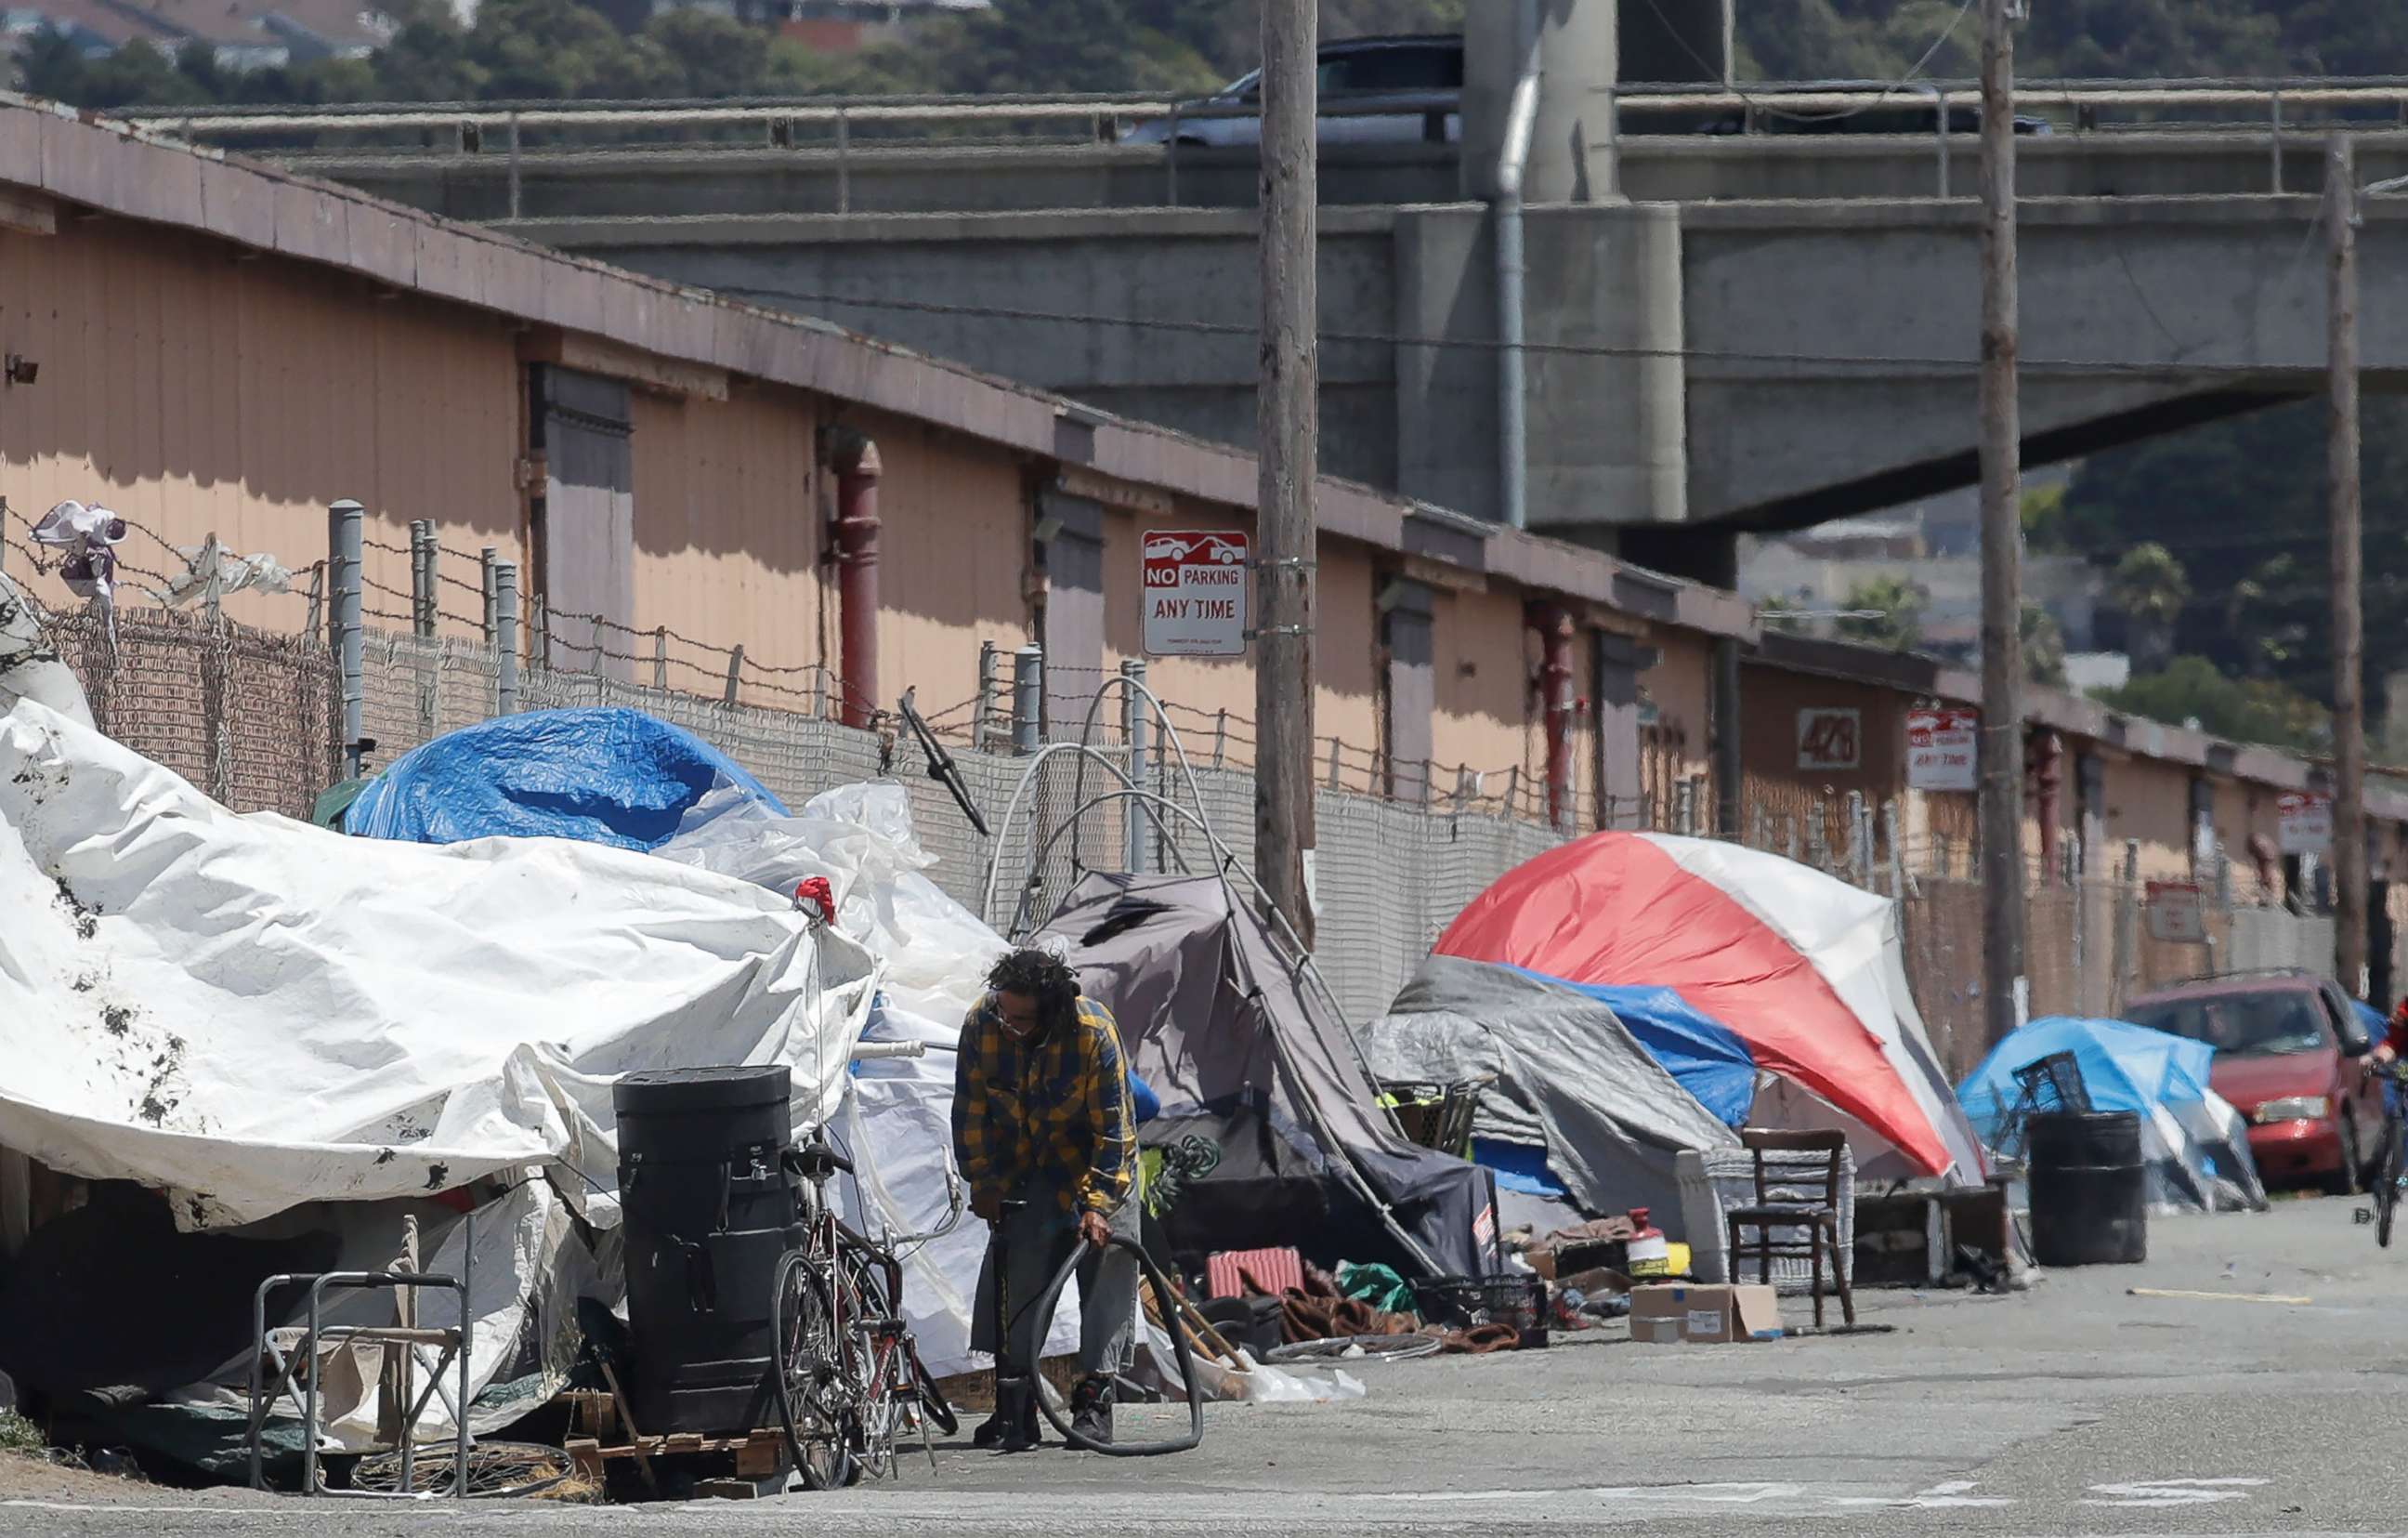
{"type": "Point", "coordinates": [1572, 147]}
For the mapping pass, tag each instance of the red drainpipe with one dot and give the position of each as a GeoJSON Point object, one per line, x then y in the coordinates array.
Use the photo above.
{"type": "Point", "coordinates": [857, 471]}
{"type": "Point", "coordinates": [2049, 778]}
{"type": "Point", "coordinates": [1555, 627]}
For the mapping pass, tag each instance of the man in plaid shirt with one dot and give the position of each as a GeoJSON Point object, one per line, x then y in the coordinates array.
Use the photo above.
{"type": "Point", "coordinates": [1043, 1117]}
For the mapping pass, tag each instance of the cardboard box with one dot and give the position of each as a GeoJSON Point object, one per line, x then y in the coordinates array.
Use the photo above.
{"type": "Point", "coordinates": [1704, 1316]}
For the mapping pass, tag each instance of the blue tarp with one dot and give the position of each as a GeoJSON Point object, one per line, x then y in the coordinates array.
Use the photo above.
{"type": "Point", "coordinates": [601, 776]}
{"type": "Point", "coordinates": [1709, 1060]}
{"type": "Point", "coordinates": [1518, 1167]}
{"type": "Point", "coordinates": [2125, 1067]}
{"type": "Point", "coordinates": [2372, 1018]}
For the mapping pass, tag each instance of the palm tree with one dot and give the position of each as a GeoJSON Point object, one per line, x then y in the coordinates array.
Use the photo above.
{"type": "Point", "coordinates": [2044, 641]}
{"type": "Point", "coordinates": [2150, 587]}
{"type": "Point", "coordinates": [1889, 613]}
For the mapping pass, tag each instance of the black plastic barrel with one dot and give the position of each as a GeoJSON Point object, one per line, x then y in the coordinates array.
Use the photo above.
{"type": "Point", "coordinates": [2089, 1188]}
{"type": "Point", "coordinates": [708, 1210]}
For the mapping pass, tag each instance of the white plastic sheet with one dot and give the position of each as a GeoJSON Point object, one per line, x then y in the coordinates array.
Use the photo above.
{"type": "Point", "coordinates": [253, 1014]}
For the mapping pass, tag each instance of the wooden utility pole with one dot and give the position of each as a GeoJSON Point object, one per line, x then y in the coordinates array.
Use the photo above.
{"type": "Point", "coordinates": [1288, 423]}
{"type": "Point", "coordinates": [2348, 622]}
{"type": "Point", "coordinates": [2004, 992]}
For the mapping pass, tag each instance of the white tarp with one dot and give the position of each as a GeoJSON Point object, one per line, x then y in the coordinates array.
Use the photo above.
{"type": "Point", "coordinates": [30, 667]}
{"type": "Point", "coordinates": [252, 1016]}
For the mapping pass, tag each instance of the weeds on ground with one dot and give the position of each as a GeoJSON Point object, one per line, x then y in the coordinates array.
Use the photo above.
{"type": "Point", "coordinates": [19, 1435]}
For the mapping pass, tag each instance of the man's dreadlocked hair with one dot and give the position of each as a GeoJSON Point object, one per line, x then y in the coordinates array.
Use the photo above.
{"type": "Point", "coordinates": [1040, 975]}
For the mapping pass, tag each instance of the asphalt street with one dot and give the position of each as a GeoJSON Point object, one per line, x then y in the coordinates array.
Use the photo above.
{"type": "Point", "coordinates": [2276, 1402]}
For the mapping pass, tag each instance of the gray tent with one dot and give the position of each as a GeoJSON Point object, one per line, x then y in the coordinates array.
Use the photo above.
{"type": "Point", "coordinates": [1570, 1079]}
{"type": "Point", "coordinates": [1269, 1121]}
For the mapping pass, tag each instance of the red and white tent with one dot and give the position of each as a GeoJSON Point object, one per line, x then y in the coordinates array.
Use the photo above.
{"type": "Point", "coordinates": [1806, 971]}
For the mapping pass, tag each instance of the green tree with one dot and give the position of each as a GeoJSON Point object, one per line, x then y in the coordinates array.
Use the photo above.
{"type": "Point", "coordinates": [1068, 44]}
{"type": "Point", "coordinates": [1887, 611]}
{"type": "Point", "coordinates": [2245, 710]}
{"type": "Point", "coordinates": [2042, 515]}
{"type": "Point", "coordinates": [1780, 613]}
{"type": "Point", "coordinates": [2151, 588]}
{"type": "Point", "coordinates": [2043, 647]}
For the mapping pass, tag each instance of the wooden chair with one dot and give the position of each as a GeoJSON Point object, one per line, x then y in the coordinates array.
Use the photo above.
{"type": "Point", "coordinates": [1809, 1199]}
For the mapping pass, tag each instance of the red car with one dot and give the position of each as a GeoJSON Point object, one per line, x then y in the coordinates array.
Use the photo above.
{"type": "Point", "coordinates": [2288, 1050]}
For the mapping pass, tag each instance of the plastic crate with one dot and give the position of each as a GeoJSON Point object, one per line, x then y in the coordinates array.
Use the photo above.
{"type": "Point", "coordinates": [1460, 1302]}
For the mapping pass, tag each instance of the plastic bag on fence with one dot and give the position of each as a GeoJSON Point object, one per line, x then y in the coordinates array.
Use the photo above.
{"type": "Point", "coordinates": [260, 573]}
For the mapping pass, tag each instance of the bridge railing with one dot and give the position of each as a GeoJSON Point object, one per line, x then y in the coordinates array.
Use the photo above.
{"type": "Point", "coordinates": [1145, 126]}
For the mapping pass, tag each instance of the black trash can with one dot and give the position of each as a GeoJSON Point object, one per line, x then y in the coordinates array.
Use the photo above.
{"type": "Point", "coordinates": [2089, 1188]}
{"type": "Point", "coordinates": [709, 1208]}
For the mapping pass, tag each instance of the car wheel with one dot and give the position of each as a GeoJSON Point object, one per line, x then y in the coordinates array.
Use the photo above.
{"type": "Point", "coordinates": [2349, 1179]}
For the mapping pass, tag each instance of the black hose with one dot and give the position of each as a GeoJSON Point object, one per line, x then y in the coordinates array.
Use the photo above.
{"type": "Point", "coordinates": [1044, 1303]}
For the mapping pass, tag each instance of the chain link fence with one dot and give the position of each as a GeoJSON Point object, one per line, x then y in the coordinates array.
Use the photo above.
{"type": "Point", "coordinates": [253, 717]}
{"type": "Point", "coordinates": [250, 716]}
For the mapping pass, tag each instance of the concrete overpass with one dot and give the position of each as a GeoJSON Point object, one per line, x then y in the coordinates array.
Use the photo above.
{"type": "Point", "coordinates": [1745, 366]}
{"type": "Point", "coordinates": [1744, 332]}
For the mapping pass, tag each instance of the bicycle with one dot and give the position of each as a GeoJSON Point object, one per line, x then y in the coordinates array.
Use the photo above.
{"type": "Point", "coordinates": [848, 1380]}
{"type": "Point", "coordinates": [848, 1377]}
{"type": "Point", "coordinates": [2392, 1167]}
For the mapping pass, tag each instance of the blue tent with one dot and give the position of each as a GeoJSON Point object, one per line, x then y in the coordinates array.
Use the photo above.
{"type": "Point", "coordinates": [600, 776]}
{"type": "Point", "coordinates": [2196, 1146]}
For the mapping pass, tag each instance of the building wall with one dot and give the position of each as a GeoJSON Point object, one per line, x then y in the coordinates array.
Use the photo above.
{"type": "Point", "coordinates": [729, 514]}
{"type": "Point", "coordinates": [953, 558]}
{"type": "Point", "coordinates": [2150, 801]}
{"type": "Point", "coordinates": [193, 393]}
{"type": "Point", "coordinates": [1680, 687]}
{"type": "Point", "coordinates": [1481, 720]}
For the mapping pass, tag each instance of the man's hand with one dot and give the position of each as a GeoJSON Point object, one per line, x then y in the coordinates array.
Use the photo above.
{"type": "Point", "coordinates": [987, 1206]}
{"type": "Point", "coordinates": [1095, 1231]}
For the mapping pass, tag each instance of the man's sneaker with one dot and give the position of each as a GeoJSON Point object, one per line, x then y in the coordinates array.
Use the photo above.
{"type": "Point", "coordinates": [1013, 1428]}
{"type": "Point", "coordinates": [1091, 1410]}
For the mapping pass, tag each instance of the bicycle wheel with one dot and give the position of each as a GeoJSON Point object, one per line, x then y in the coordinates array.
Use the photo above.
{"type": "Point", "coordinates": [873, 1361]}
{"type": "Point", "coordinates": [812, 1401]}
{"type": "Point", "coordinates": [2387, 1184]}
{"type": "Point", "coordinates": [497, 1471]}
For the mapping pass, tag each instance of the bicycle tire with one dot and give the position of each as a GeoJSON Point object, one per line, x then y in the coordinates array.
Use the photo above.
{"type": "Point", "coordinates": [2387, 1189]}
{"type": "Point", "coordinates": [876, 1417]}
{"type": "Point", "coordinates": [802, 1330]}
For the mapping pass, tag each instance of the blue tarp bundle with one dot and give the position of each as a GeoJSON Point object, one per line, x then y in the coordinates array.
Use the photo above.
{"type": "Point", "coordinates": [600, 776]}
{"type": "Point", "coordinates": [2195, 1146]}
{"type": "Point", "coordinates": [2124, 1067]}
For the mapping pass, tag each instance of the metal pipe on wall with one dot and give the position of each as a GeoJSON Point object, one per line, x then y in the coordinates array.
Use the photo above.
{"type": "Point", "coordinates": [2048, 786]}
{"type": "Point", "coordinates": [1728, 773]}
{"type": "Point", "coordinates": [857, 471]}
{"type": "Point", "coordinates": [1513, 388]}
{"type": "Point", "coordinates": [1555, 631]}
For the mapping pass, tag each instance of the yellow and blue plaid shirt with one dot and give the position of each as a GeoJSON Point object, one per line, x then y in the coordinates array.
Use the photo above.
{"type": "Point", "coordinates": [1045, 1117]}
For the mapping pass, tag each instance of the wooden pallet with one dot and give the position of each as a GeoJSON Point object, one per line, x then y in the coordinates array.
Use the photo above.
{"type": "Point", "coordinates": [601, 1434]}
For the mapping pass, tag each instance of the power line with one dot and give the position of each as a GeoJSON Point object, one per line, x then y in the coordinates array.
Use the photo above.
{"type": "Point", "coordinates": [1483, 344]}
